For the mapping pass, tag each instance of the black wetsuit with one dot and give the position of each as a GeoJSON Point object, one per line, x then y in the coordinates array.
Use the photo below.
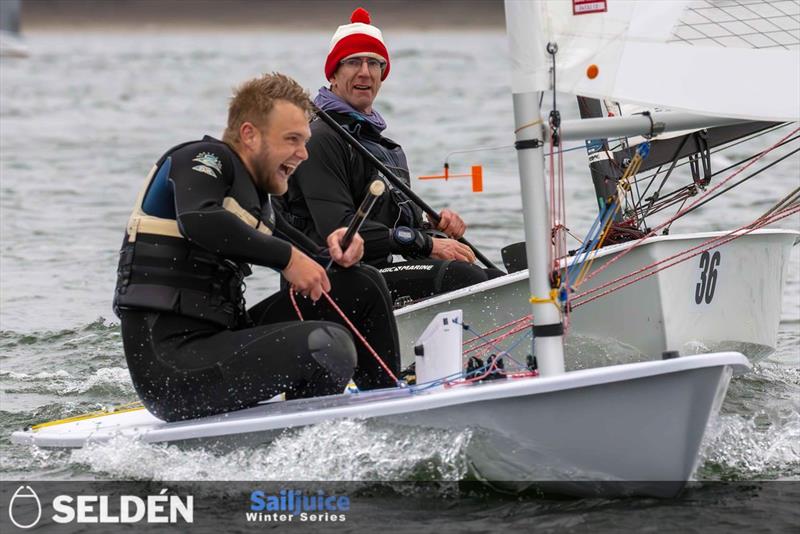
{"type": "Point", "coordinates": [192, 347]}
{"type": "Point", "coordinates": [326, 190]}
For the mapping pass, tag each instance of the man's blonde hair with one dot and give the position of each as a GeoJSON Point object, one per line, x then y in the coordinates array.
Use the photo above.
{"type": "Point", "coordinates": [253, 100]}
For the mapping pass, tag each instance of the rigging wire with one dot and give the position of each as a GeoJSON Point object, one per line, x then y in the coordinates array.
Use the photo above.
{"type": "Point", "coordinates": [789, 200]}
{"type": "Point", "coordinates": [733, 144]}
{"type": "Point", "coordinates": [731, 166]}
{"type": "Point", "coordinates": [756, 173]}
{"type": "Point", "coordinates": [680, 213]}
{"type": "Point", "coordinates": [656, 201]}
{"type": "Point", "coordinates": [706, 198]}
{"type": "Point", "coordinates": [699, 249]}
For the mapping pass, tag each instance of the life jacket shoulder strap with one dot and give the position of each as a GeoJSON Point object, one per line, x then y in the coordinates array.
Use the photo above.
{"type": "Point", "coordinates": [230, 204]}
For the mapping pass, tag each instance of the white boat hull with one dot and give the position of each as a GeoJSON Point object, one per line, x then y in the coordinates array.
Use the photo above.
{"type": "Point", "coordinates": [656, 314]}
{"type": "Point", "coordinates": [639, 422]}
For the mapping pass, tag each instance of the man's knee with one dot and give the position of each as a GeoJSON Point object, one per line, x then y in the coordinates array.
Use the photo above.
{"type": "Point", "coordinates": [332, 347]}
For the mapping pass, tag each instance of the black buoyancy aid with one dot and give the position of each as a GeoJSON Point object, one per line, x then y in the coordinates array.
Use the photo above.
{"type": "Point", "coordinates": [393, 200]}
{"type": "Point", "coordinates": [160, 270]}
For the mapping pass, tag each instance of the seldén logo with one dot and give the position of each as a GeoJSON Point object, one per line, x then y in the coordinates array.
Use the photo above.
{"type": "Point", "coordinates": [290, 505]}
{"type": "Point", "coordinates": [160, 508]}
{"type": "Point", "coordinates": [18, 507]}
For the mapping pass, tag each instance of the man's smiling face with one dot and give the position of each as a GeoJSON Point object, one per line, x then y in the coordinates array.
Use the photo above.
{"type": "Point", "coordinates": [281, 147]}
{"type": "Point", "coordinates": [358, 86]}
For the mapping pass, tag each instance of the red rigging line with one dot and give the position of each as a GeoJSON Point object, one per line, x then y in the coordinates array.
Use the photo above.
{"type": "Point", "coordinates": [502, 337]}
{"type": "Point", "coordinates": [352, 327]}
{"type": "Point", "coordinates": [684, 210]}
{"type": "Point", "coordinates": [699, 249]}
{"type": "Point", "coordinates": [509, 324]}
{"type": "Point", "coordinates": [558, 218]}
{"type": "Point", "coordinates": [491, 369]}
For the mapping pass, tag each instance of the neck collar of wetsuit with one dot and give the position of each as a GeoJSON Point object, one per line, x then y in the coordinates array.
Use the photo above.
{"type": "Point", "coordinates": [327, 100]}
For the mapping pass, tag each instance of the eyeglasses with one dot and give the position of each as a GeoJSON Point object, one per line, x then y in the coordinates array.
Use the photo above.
{"type": "Point", "coordinates": [374, 65]}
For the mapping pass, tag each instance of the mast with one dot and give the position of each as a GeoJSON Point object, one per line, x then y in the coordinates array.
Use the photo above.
{"type": "Point", "coordinates": [547, 326]}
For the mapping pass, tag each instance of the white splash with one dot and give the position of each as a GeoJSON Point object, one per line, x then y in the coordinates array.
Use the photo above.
{"type": "Point", "coordinates": [755, 445]}
{"type": "Point", "coordinates": [339, 450]}
{"type": "Point", "coordinates": [62, 382]}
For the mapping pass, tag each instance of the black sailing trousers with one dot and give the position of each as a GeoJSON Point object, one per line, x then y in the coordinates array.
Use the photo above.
{"type": "Point", "coordinates": [414, 280]}
{"type": "Point", "coordinates": [183, 368]}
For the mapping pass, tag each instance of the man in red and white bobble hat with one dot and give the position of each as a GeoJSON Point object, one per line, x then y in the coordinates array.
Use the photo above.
{"type": "Point", "coordinates": [325, 191]}
{"type": "Point", "coordinates": [359, 38]}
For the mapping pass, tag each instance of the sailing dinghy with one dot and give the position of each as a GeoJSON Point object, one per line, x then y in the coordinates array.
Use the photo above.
{"type": "Point", "coordinates": [670, 310]}
{"type": "Point", "coordinates": [651, 292]}
{"type": "Point", "coordinates": [639, 422]}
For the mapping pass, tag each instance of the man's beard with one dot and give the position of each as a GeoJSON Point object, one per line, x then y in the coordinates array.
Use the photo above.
{"type": "Point", "coordinates": [264, 176]}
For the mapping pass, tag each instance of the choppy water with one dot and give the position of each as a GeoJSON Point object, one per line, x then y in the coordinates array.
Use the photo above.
{"type": "Point", "coordinates": [85, 116]}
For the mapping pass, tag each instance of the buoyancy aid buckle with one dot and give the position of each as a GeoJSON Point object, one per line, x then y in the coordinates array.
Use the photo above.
{"type": "Point", "coordinates": [124, 269]}
{"type": "Point", "coordinates": [147, 224]}
{"type": "Point", "coordinates": [133, 229]}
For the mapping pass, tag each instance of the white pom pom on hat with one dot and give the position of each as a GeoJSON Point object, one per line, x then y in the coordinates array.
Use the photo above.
{"type": "Point", "coordinates": [359, 38]}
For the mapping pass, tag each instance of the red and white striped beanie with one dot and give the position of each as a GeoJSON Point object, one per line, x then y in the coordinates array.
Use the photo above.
{"type": "Point", "coordinates": [359, 38]}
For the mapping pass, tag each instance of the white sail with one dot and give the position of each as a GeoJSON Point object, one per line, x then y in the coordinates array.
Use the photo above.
{"type": "Point", "coordinates": [732, 58]}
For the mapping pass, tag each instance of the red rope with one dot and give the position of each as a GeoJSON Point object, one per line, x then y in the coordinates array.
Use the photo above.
{"type": "Point", "coordinates": [500, 338]}
{"type": "Point", "coordinates": [360, 337]}
{"type": "Point", "coordinates": [499, 328]}
{"type": "Point", "coordinates": [702, 247]}
{"type": "Point", "coordinates": [554, 203]}
{"type": "Point", "coordinates": [351, 326]}
{"type": "Point", "coordinates": [717, 241]}
{"type": "Point", "coordinates": [562, 243]}
{"type": "Point", "coordinates": [493, 367]}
